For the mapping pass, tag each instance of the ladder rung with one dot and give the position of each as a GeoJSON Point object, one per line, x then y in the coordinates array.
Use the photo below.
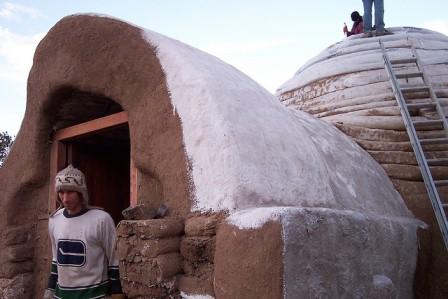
{"type": "Point", "coordinates": [406, 46]}
{"type": "Point", "coordinates": [427, 123]}
{"type": "Point", "coordinates": [441, 183]}
{"type": "Point", "coordinates": [445, 205]}
{"type": "Point", "coordinates": [438, 162]}
{"type": "Point", "coordinates": [402, 61]}
{"type": "Point", "coordinates": [421, 105]}
{"type": "Point", "coordinates": [414, 89]}
{"type": "Point", "coordinates": [409, 75]}
{"type": "Point", "coordinates": [431, 141]}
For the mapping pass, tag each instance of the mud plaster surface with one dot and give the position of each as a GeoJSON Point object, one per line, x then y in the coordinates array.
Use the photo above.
{"type": "Point", "coordinates": [132, 77]}
{"type": "Point", "coordinates": [249, 263]}
{"type": "Point", "coordinates": [198, 249]}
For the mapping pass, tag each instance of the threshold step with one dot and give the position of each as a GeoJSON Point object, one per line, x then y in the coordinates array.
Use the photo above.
{"type": "Point", "coordinates": [402, 61]}
{"type": "Point", "coordinates": [438, 162]}
{"type": "Point", "coordinates": [409, 75]}
{"type": "Point", "coordinates": [431, 141]}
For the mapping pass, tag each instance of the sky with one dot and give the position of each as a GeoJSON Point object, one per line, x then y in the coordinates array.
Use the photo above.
{"type": "Point", "coordinates": [266, 39]}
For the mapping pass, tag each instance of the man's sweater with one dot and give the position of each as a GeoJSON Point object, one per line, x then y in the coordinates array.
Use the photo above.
{"type": "Point", "coordinates": [84, 263]}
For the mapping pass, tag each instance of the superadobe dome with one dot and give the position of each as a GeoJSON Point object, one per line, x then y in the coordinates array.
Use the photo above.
{"type": "Point", "coordinates": [347, 85]}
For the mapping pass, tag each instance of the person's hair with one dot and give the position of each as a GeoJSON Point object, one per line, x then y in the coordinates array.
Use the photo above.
{"type": "Point", "coordinates": [356, 16]}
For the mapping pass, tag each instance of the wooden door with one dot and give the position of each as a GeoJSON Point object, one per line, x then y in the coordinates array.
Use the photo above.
{"type": "Point", "coordinates": [106, 168]}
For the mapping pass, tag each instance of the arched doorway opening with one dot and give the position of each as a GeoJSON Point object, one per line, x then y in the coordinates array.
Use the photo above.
{"type": "Point", "coordinates": [98, 146]}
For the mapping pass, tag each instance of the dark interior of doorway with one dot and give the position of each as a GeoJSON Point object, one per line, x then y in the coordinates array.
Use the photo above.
{"type": "Point", "coordinates": [104, 158]}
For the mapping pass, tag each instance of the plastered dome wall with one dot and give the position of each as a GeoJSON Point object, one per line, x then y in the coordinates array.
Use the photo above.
{"type": "Point", "coordinates": [256, 192]}
{"type": "Point", "coordinates": [347, 85]}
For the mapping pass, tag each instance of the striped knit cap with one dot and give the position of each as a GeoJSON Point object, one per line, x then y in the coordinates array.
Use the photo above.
{"type": "Point", "coordinates": [72, 179]}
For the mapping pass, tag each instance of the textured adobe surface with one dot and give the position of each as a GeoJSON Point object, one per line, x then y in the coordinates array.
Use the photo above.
{"type": "Point", "coordinates": [249, 263]}
{"type": "Point", "coordinates": [110, 59]}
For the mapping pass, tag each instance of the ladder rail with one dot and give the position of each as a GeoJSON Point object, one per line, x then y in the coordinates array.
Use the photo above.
{"type": "Point", "coordinates": [418, 150]}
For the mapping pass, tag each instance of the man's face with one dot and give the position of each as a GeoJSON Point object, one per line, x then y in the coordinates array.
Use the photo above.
{"type": "Point", "coordinates": [71, 200]}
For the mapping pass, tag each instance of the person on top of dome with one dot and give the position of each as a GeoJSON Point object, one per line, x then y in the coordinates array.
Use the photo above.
{"type": "Point", "coordinates": [379, 18]}
{"type": "Point", "coordinates": [357, 24]}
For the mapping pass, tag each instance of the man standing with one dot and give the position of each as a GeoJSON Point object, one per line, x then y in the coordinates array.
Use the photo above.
{"type": "Point", "coordinates": [83, 240]}
{"type": "Point", "coordinates": [379, 17]}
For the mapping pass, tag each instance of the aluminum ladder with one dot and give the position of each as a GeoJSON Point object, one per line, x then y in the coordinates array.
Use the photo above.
{"type": "Point", "coordinates": [402, 95]}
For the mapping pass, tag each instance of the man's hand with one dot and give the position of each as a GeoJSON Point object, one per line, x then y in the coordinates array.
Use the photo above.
{"type": "Point", "coordinates": [345, 28]}
{"type": "Point", "coordinates": [48, 294]}
{"type": "Point", "coordinates": [118, 296]}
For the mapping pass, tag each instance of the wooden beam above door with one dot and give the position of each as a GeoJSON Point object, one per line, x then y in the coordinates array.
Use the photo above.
{"type": "Point", "coordinates": [92, 127]}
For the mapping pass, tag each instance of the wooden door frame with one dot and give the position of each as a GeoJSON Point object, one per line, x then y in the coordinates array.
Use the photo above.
{"type": "Point", "coordinates": [59, 150]}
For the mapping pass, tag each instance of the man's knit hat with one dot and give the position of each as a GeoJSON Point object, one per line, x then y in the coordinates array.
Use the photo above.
{"type": "Point", "coordinates": [72, 179]}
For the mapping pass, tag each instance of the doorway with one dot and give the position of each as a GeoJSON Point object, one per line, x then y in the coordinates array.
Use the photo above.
{"type": "Point", "coordinates": [100, 148]}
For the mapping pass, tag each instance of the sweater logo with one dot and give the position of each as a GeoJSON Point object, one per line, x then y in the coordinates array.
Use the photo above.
{"type": "Point", "coordinates": [71, 253]}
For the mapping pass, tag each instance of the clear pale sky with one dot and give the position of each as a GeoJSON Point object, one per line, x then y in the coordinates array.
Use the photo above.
{"type": "Point", "coordinates": [268, 40]}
